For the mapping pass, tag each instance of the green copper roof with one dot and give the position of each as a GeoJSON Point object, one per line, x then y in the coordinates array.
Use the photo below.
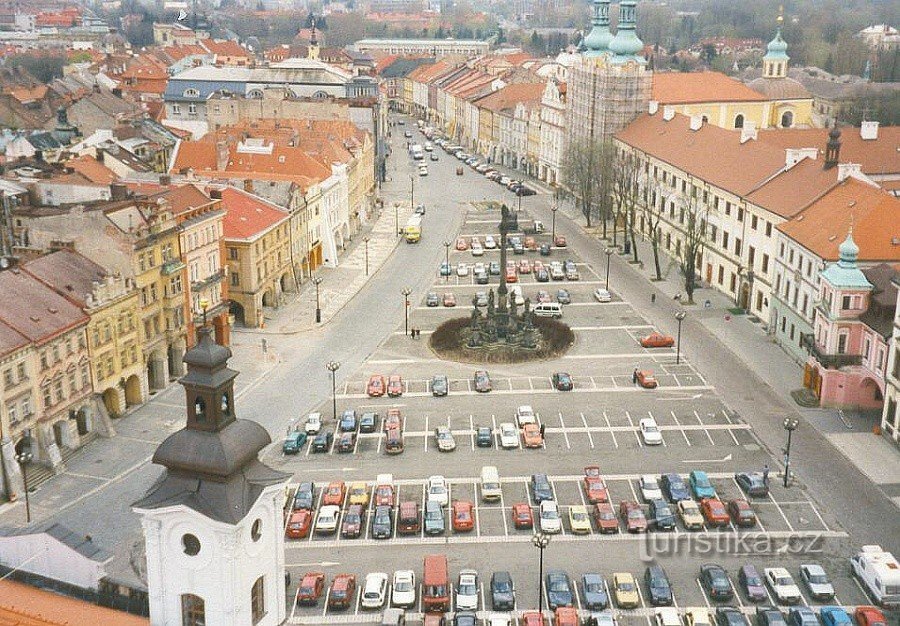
{"type": "Point", "coordinates": [597, 41]}
{"type": "Point", "coordinates": [777, 48]}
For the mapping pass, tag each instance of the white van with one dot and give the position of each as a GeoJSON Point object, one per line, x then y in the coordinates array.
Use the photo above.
{"type": "Point", "coordinates": [490, 483]}
{"type": "Point", "coordinates": [879, 573]}
{"type": "Point", "coordinates": [548, 309]}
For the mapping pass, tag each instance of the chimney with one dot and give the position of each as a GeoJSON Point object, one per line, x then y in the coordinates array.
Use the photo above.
{"type": "Point", "coordinates": [165, 180]}
{"type": "Point", "coordinates": [215, 193]}
{"type": "Point", "coordinates": [696, 121]}
{"type": "Point", "coordinates": [668, 113]}
{"type": "Point", "coordinates": [100, 153]}
{"type": "Point", "coordinates": [847, 170]}
{"type": "Point", "coordinates": [118, 191]}
{"type": "Point", "coordinates": [653, 107]}
{"type": "Point", "coordinates": [868, 131]}
{"type": "Point", "coordinates": [221, 156]}
{"type": "Point", "coordinates": [248, 185]}
{"type": "Point", "coordinates": [748, 132]}
{"type": "Point", "coordinates": [792, 156]}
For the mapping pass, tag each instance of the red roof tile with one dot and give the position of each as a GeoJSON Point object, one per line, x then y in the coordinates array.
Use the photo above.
{"type": "Point", "coordinates": [37, 311]}
{"type": "Point", "coordinates": [248, 216]}
{"type": "Point", "coordinates": [24, 605]}
{"type": "Point", "coordinates": [696, 87]}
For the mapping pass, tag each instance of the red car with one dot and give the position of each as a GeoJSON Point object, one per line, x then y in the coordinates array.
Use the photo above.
{"type": "Point", "coordinates": [463, 515]}
{"type": "Point", "coordinates": [740, 511]}
{"type": "Point", "coordinates": [594, 487]}
{"type": "Point", "coordinates": [605, 517]}
{"type": "Point", "coordinates": [531, 434]}
{"type": "Point", "coordinates": [633, 514]}
{"type": "Point", "coordinates": [532, 618]}
{"type": "Point", "coordinates": [351, 525]}
{"type": "Point", "coordinates": [375, 388]}
{"type": "Point", "coordinates": [342, 591]}
{"type": "Point", "coordinates": [522, 516]}
{"type": "Point", "coordinates": [393, 420]}
{"type": "Point", "coordinates": [299, 524]}
{"type": "Point", "coordinates": [449, 299]}
{"type": "Point", "coordinates": [657, 340]}
{"type": "Point", "coordinates": [530, 243]}
{"type": "Point", "coordinates": [461, 244]}
{"type": "Point", "coordinates": [334, 493]}
{"type": "Point", "coordinates": [395, 386]}
{"type": "Point", "coordinates": [560, 241]}
{"type": "Point", "coordinates": [511, 276]}
{"type": "Point", "coordinates": [870, 616]}
{"type": "Point", "coordinates": [384, 495]}
{"type": "Point", "coordinates": [646, 380]}
{"type": "Point", "coordinates": [714, 511]}
{"type": "Point", "coordinates": [524, 266]}
{"type": "Point", "coordinates": [311, 587]}
{"type": "Point", "coordinates": [565, 616]}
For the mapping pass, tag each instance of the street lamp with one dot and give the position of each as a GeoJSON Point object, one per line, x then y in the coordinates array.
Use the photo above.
{"type": "Point", "coordinates": [204, 305]}
{"type": "Point", "coordinates": [553, 211]}
{"type": "Point", "coordinates": [790, 425]}
{"type": "Point", "coordinates": [609, 252]}
{"type": "Point", "coordinates": [332, 366]}
{"type": "Point", "coordinates": [366, 241]}
{"type": "Point", "coordinates": [317, 281]}
{"type": "Point", "coordinates": [406, 291]}
{"type": "Point", "coordinates": [397, 218]}
{"type": "Point", "coordinates": [24, 455]}
{"type": "Point", "coordinates": [680, 317]}
{"type": "Point", "coordinates": [447, 260]}
{"type": "Point", "coordinates": [540, 541]}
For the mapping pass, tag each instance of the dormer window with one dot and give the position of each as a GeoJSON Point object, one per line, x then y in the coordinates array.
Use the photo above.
{"type": "Point", "coordinates": [191, 93]}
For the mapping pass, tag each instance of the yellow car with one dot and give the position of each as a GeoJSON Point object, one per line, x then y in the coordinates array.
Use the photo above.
{"type": "Point", "coordinates": [690, 515]}
{"type": "Point", "coordinates": [358, 493]}
{"type": "Point", "coordinates": [625, 590]}
{"type": "Point", "coordinates": [579, 522]}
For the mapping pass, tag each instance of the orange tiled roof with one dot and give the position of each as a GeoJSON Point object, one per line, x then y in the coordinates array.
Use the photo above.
{"type": "Point", "coordinates": [92, 169]}
{"type": "Point", "coordinates": [226, 47]}
{"type": "Point", "coordinates": [183, 198]}
{"type": "Point", "coordinates": [824, 224]}
{"type": "Point", "coordinates": [791, 191]}
{"type": "Point", "coordinates": [697, 87]}
{"type": "Point", "coordinates": [28, 94]}
{"type": "Point", "coordinates": [507, 97]}
{"type": "Point", "coordinates": [712, 154]}
{"type": "Point", "coordinates": [877, 156]}
{"type": "Point", "coordinates": [23, 605]}
{"type": "Point", "coordinates": [247, 215]}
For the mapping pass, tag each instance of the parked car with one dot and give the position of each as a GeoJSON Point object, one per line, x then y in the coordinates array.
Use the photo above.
{"type": "Point", "coordinates": [351, 525]}
{"type": "Point", "coordinates": [661, 515]}
{"type": "Point", "coordinates": [700, 485]}
{"type": "Point", "coordinates": [752, 584]}
{"type": "Point", "coordinates": [730, 616]}
{"type": "Point", "coordinates": [462, 269]}
{"type": "Point", "coordinates": [560, 241]}
{"type": "Point", "coordinates": [358, 493]}
{"type": "Point", "coordinates": [562, 381]}
{"type": "Point", "coordinates": [752, 484]}
{"type": "Point", "coordinates": [322, 442]}
{"type": "Point", "coordinates": [540, 488]}
{"type": "Point", "coordinates": [509, 436]}
{"type": "Point", "coordinates": [403, 588]}
{"type": "Point", "coordinates": [559, 589]}
{"type": "Point", "coordinates": [650, 433]}
{"type": "Point", "coordinates": [625, 590]}
{"type": "Point", "coordinates": [463, 516]}
{"type": "Point", "coordinates": [482, 381]}
{"type": "Point", "coordinates": [834, 616]}
{"type": "Point", "coordinates": [445, 439]}
{"type": "Point", "coordinates": [294, 442]}
{"type": "Point", "coordinates": [312, 585]}
{"type": "Point", "coordinates": [448, 299]}
{"type": "Point", "coordinates": [313, 424]}
{"type": "Point", "coordinates": [659, 589]}
{"type": "Point", "coordinates": [375, 386]}
{"type": "Point", "coordinates": [484, 438]}
{"type": "Point", "coordinates": [531, 436]}
{"type": "Point", "coordinates": [446, 269]}
{"type": "Point", "coordinates": [382, 523]}
{"type": "Point", "coordinates": [816, 581]}
{"type": "Point", "coordinates": [602, 295]}
{"type": "Point", "coordinates": [594, 488]}
{"type": "Point", "coordinates": [346, 442]}
{"type": "Point", "coordinates": [579, 522]}
{"type": "Point", "coordinates": [674, 487]}
{"type": "Point", "coordinates": [690, 515]}
{"type": "Point", "coordinates": [593, 592]}
{"type": "Point", "coordinates": [434, 518]}
{"type": "Point", "coordinates": [714, 580]}
{"type": "Point", "coordinates": [342, 591]}
{"type": "Point", "coordinates": [494, 268]}
{"type": "Point", "coordinates": [375, 590]}
{"type": "Point", "coordinates": [437, 490]}
{"type": "Point", "coordinates": [657, 340]}
{"type": "Point", "coordinates": [770, 616]}
{"type": "Point", "coordinates": [802, 616]}
{"type": "Point", "coordinates": [304, 497]}
{"type": "Point", "coordinates": [551, 523]}
{"type": "Point", "coordinates": [503, 593]}
{"type": "Point", "coordinates": [869, 616]}
{"type": "Point", "coordinates": [667, 617]}
{"type": "Point", "coordinates": [432, 299]}
{"type": "Point", "coordinates": [525, 415]}
{"type": "Point", "coordinates": [348, 421]}
{"type": "Point", "coordinates": [741, 513]}
{"type": "Point", "coordinates": [462, 244]}
{"type": "Point", "coordinates": [605, 518]}
{"type": "Point", "coordinates": [395, 386]}
{"type": "Point", "coordinates": [467, 590]}
{"type": "Point", "coordinates": [522, 516]}
{"type": "Point", "coordinates": [299, 524]}
{"type": "Point", "coordinates": [334, 493]}
{"type": "Point", "coordinates": [646, 379]}
{"type": "Point", "coordinates": [714, 512]}
{"type": "Point", "coordinates": [782, 585]}
{"type": "Point", "coordinates": [633, 514]}
{"type": "Point", "coordinates": [368, 422]}
{"type": "Point", "coordinates": [393, 419]}
{"type": "Point", "coordinates": [327, 520]}
{"type": "Point", "coordinates": [649, 488]}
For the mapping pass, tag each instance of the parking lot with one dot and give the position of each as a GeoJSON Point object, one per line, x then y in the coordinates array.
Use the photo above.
{"type": "Point", "coordinates": [594, 424]}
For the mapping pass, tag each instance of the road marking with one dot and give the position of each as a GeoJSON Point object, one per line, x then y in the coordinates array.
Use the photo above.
{"type": "Point", "coordinates": [684, 434]}
{"type": "Point", "coordinates": [511, 391]}
{"type": "Point", "coordinates": [724, 459]}
{"type": "Point", "coordinates": [471, 429]}
{"type": "Point", "coordinates": [611, 431]}
{"type": "Point", "coordinates": [700, 422]}
{"type": "Point", "coordinates": [634, 429]}
{"type": "Point", "coordinates": [703, 593]}
{"type": "Point", "coordinates": [587, 430]}
{"type": "Point", "coordinates": [426, 432]}
{"type": "Point", "coordinates": [778, 506]}
{"type": "Point", "coordinates": [565, 434]}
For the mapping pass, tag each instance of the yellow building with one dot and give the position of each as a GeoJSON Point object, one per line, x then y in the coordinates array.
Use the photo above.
{"type": "Point", "coordinates": [788, 102]}
{"type": "Point", "coordinates": [257, 242]}
{"type": "Point", "coordinates": [114, 344]}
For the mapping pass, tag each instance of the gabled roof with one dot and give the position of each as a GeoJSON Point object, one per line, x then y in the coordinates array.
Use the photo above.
{"type": "Point", "coordinates": [697, 87]}
{"type": "Point", "coordinates": [876, 156]}
{"type": "Point", "coordinates": [68, 273]}
{"type": "Point", "coordinates": [92, 169]}
{"type": "Point", "coordinates": [506, 98]}
{"type": "Point", "coordinates": [792, 190]}
{"type": "Point", "coordinates": [182, 198]}
{"type": "Point", "coordinates": [37, 312]}
{"type": "Point", "coordinates": [247, 216]}
{"type": "Point", "coordinates": [823, 225]}
{"type": "Point", "coordinates": [713, 154]}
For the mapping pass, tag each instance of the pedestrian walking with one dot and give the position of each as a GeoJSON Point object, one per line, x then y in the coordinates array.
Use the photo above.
{"type": "Point", "coordinates": [652, 298]}
{"type": "Point", "coordinates": [766, 474]}
{"type": "Point", "coordinates": [634, 376]}
{"type": "Point", "coordinates": [542, 431]}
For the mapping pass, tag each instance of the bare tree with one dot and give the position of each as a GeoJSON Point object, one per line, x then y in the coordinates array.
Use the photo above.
{"type": "Point", "coordinates": [653, 209]}
{"type": "Point", "coordinates": [626, 194]}
{"type": "Point", "coordinates": [581, 171]}
{"type": "Point", "coordinates": [694, 220]}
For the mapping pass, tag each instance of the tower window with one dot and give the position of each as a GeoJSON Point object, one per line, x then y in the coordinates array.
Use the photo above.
{"type": "Point", "coordinates": [193, 610]}
{"type": "Point", "coordinates": [226, 404]}
{"type": "Point", "coordinates": [256, 530]}
{"type": "Point", "coordinates": [191, 544]}
{"type": "Point", "coordinates": [200, 409]}
{"type": "Point", "coordinates": [739, 121]}
{"type": "Point", "coordinates": [787, 119]}
{"type": "Point", "coordinates": [258, 600]}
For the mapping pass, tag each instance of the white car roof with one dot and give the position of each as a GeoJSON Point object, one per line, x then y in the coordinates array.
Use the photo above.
{"type": "Point", "coordinates": [777, 571]}
{"type": "Point", "coordinates": [375, 578]}
{"type": "Point", "coordinates": [404, 574]}
{"type": "Point", "coordinates": [329, 509]}
{"type": "Point", "coordinates": [648, 478]}
{"type": "Point", "coordinates": [647, 421]}
{"type": "Point", "coordinates": [525, 408]}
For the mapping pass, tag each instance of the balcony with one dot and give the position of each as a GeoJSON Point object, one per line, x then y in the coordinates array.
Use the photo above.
{"type": "Point", "coordinates": [828, 361]}
{"type": "Point", "coordinates": [212, 279]}
{"type": "Point", "coordinates": [171, 266]}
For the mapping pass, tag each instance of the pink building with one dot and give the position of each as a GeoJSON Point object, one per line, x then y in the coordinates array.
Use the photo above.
{"type": "Point", "coordinates": [852, 322]}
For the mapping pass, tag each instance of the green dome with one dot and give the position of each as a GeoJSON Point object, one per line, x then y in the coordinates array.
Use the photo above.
{"type": "Point", "coordinates": [597, 41]}
{"type": "Point", "coordinates": [777, 48]}
{"type": "Point", "coordinates": [626, 44]}
{"type": "Point", "coordinates": [848, 251]}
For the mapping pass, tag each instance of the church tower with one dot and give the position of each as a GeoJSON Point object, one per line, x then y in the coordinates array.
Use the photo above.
{"type": "Point", "coordinates": [213, 521]}
{"type": "Point", "coordinates": [313, 49]}
{"type": "Point", "coordinates": [597, 41]}
{"type": "Point", "coordinates": [775, 62]}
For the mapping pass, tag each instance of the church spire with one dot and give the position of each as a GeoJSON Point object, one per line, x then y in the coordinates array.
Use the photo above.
{"type": "Point", "coordinates": [626, 46]}
{"type": "Point", "coordinates": [775, 62]}
{"type": "Point", "coordinates": [598, 40]}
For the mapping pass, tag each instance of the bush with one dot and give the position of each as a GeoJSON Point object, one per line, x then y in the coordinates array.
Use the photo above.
{"type": "Point", "coordinates": [449, 342]}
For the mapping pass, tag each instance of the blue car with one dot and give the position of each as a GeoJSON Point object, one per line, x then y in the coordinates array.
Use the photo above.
{"type": "Point", "coordinates": [445, 269]}
{"type": "Point", "coordinates": [675, 488]}
{"type": "Point", "coordinates": [294, 442]}
{"type": "Point", "coordinates": [593, 592]}
{"type": "Point", "coordinates": [559, 589]}
{"type": "Point", "coordinates": [701, 486]}
{"type": "Point", "coordinates": [834, 616]}
{"type": "Point", "coordinates": [802, 616]}
{"type": "Point", "coordinates": [348, 421]}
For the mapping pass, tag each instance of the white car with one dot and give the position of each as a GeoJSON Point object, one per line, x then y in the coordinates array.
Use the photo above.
{"type": "Point", "coordinates": [477, 250]}
{"type": "Point", "coordinates": [602, 295]}
{"type": "Point", "coordinates": [437, 490]}
{"type": "Point", "coordinates": [462, 269]}
{"type": "Point", "coordinates": [479, 268]}
{"type": "Point", "coordinates": [782, 585]}
{"type": "Point", "coordinates": [489, 242]}
{"type": "Point", "coordinates": [327, 522]}
{"type": "Point", "coordinates": [467, 590]}
{"type": "Point", "coordinates": [445, 440]}
{"type": "Point", "coordinates": [551, 522]}
{"type": "Point", "coordinates": [667, 616]}
{"type": "Point", "coordinates": [403, 589]}
{"type": "Point", "coordinates": [313, 424]}
{"type": "Point", "coordinates": [374, 590]}
{"type": "Point", "coordinates": [499, 619]}
{"type": "Point", "coordinates": [650, 488]}
{"type": "Point", "coordinates": [603, 618]}
{"type": "Point", "coordinates": [509, 436]}
{"type": "Point", "coordinates": [525, 415]}
{"type": "Point", "coordinates": [650, 432]}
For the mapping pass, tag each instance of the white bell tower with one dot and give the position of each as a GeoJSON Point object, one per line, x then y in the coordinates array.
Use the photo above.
{"type": "Point", "coordinates": [213, 521]}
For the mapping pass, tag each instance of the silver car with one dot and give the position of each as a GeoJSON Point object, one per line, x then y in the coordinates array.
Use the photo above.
{"type": "Point", "coordinates": [445, 440]}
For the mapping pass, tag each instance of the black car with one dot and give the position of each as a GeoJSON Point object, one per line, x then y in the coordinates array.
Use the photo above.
{"type": "Point", "coordinates": [526, 191]}
{"type": "Point", "coordinates": [562, 381]}
{"type": "Point", "coordinates": [563, 296]}
{"type": "Point", "coordinates": [503, 595]}
{"type": "Point", "coordinates": [368, 422]}
{"type": "Point", "coordinates": [658, 587]}
{"type": "Point", "coordinates": [729, 616]}
{"type": "Point", "coordinates": [465, 618]}
{"type": "Point", "coordinates": [484, 438]}
{"type": "Point", "coordinates": [545, 249]}
{"type": "Point", "coordinates": [322, 442]}
{"type": "Point", "coordinates": [752, 484]}
{"type": "Point", "coordinates": [714, 579]}
{"type": "Point", "coordinates": [661, 515]}
{"type": "Point", "coordinates": [593, 592]}
{"type": "Point", "coordinates": [542, 276]}
{"type": "Point", "coordinates": [559, 589]}
{"type": "Point", "coordinates": [346, 442]}
{"type": "Point", "coordinates": [481, 278]}
{"type": "Point", "coordinates": [540, 488]}
{"type": "Point", "coordinates": [802, 616]}
{"type": "Point", "coordinates": [769, 616]}
{"type": "Point", "coordinates": [674, 488]}
{"type": "Point", "coordinates": [439, 385]}
{"type": "Point", "coordinates": [304, 497]}
{"type": "Point", "coordinates": [382, 523]}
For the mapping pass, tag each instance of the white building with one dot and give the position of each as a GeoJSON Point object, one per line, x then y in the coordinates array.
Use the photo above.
{"type": "Point", "coordinates": [890, 418]}
{"type": "Point", "coordinates": [553, 120]}
{"type": "Point", "coordinates": [432, 47]}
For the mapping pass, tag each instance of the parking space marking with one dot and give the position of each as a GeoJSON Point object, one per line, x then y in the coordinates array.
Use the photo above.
{"type": "Point", "coordinates": [778, 506]}
{"type": "Point", "coordinates": [565, 433]}
{"type": "Point", "coordinates": [708, 436]}
{"type": "Point", "coordinates": [471, 429]}
{"type": "Point", "coordinates": [426, 432]}
{"type": "Point", "coordinates": [703, 593]}
{"type": "Point", "coordinates": [683, 434]}
{"type": "Point", "coordinates": [511, 391]}
{"type": "Point", "coordinates": [611, 432]}
{"type": "Point", "coordinates": [636, 435]}
{"type": "Point", "coordinates": [587, 430]}
{"type": "Point", "coordinates": [816, 511]}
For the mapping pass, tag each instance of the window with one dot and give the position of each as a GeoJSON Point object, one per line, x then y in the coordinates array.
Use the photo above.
{"type": "Point", "coordinates": [753, 222]}
{"type": "Point", "coordinates": [48, 397]}
{"type": "Point", "coordinates": [727, 208]}
{"type": "Point", "coordinates": [20, 371]}
{"type": "Point", "coordinates": [738, 121]}
{"type": "Point", "coordinates": [846, 302]}
{"type": "Point", "coordinates": [724, 240]}
{"type": "Point", "coordinates": [258, 600]}
{"type": "Point", "coordinates": [721, 274]}
{"type": "Point", "coordinates": [842, 343]}
{"type": "Point", "coordinates": [176, 109]}
{"type": "Point", "coordinates": [733, 283]}
{"type": "Point", "coordinates": [13, 413]}
{"type": "Point", "coordinates": [8, 380]}
{"type": "Point", "coordinates": [26, 407]}
{"type": "Point", "coordinates": [233, 254]}
{"type": "Point", "coordinates": [740, 215]}
{"type": "Point", "coordinates": [751, 257]}
{"type": "Point", "coordinates": [193, 611]}
{"type": "Point", "coordinates": [192, 109]}
{"type": "Point", "coordinates": [765, 263]}
{"type": "Point", "coordinates": [737, 246]}
{"type": "Point", "coordinates": [235, 280]}
{"type": "Point", "coordinates": [787, 119]}
{"type": "Point", "coordinates": [768, 229]}
{"type": "Point", "coordinates": [191, 93]}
